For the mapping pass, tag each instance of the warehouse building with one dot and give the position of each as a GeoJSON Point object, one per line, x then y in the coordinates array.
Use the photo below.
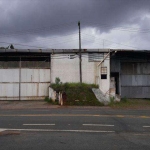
{"type": "Point", "coordinates": [131, 71]}
{"type": "Point", "coordinates": [27, 74]}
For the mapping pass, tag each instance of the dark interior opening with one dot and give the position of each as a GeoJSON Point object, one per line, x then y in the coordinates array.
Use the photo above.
{"type": "Point", "coordinates": [116, 76]}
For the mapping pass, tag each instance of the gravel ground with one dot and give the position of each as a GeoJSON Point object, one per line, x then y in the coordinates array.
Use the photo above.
{"type": "Point", "coordinates": [25, 105]}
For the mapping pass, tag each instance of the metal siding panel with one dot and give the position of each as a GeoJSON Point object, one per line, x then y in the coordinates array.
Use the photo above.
{"type": "Point", "coordinates": [126, 80]}
{"type": "Point", "coordinates": [43, 89]}
{"type": "Point", "coordinates": [126, 68]}
{"type": "Point", "coordinates": [29, 89]}
{"type": "Point", "coordinates": [35, 75]}
{"type": "Point", "coordinates": [15, 90]}
{"type": "Point", "coordinates": [115, 65]}
{"type": "Point", "coordinates": [9, 89]}
{"type": "Point", "coordinates": [34, 89]}
{"type": "Point", "coordinates": [135, 80]}
{"type": "Point", "coordinates": [26, 75]}
{"type": "Point", "coordinates": [135, 92]}
{"type": "Point", "coordinates": [3, 90]}
{"type": "Point", "coordinates": [9, 75]}
{"type": "Point", "coordinates": [44, 75]}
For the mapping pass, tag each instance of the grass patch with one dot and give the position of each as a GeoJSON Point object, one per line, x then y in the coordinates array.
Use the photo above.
{"type": "Point", "coordinates": [131, 103]}
{"type": "Point", "coordinates": [78, 94]}
{"type": "Point", "coordinates": [49, 100]}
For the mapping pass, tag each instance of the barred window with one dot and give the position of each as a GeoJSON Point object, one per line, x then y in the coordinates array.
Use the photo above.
{"type": "Point", "coordinates": [103, 72]}
{"type": "Point", "coordinates": [95, 57]}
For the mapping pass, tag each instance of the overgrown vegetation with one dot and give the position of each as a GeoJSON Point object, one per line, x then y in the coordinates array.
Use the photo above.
{"type": "Point", "coordinates": [49, 100]}
{"type": "Point", "coordinates": [77, 93]}
{"type": "Point", "coordinates": [130, 103]}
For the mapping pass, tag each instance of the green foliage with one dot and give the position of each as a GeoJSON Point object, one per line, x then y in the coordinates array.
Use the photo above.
{"type": "Point", "coordinates": [124, 99]}
{"type": "Point", "coordinates": [78, 94]}
{"type": "Point", "coordinates": [2, 47]}
{"type": "Point", "coordinates": [112, 100]}
{"type": "Point", "coordinates": [12, 47]}
{"type": "Point", "coordinates": [57, 80]}
{"type": "Point", "coordinates": [49, 100]}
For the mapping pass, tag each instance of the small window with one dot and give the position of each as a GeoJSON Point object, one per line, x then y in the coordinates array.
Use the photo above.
{"type": "Point", "coordinates": [103, 76]}
{"type": "Point", "coordinates": [103, 72]}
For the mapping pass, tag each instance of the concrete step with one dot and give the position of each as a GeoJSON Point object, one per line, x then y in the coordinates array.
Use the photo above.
{"type": "Point", "coordinates": [101, 96]}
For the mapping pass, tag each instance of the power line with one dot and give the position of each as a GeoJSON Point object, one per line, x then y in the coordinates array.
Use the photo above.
{"type": "Point", "coordinates": [112, 41]}
{"type": "Point", "coordinates": [36, 30]}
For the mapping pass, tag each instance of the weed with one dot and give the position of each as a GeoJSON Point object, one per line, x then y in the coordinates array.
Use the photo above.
{"type": "Point", "coordinates": [77, 93]}
{"type": "Point", "coordinates": [124, 99]}
{"type": "Point", "coordinates": [57, 80]}
{"type": "Point", "coordinates": [49, 100]}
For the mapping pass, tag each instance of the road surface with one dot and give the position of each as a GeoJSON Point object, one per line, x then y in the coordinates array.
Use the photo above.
{"type": "Point", "coordinates": [69, 128]}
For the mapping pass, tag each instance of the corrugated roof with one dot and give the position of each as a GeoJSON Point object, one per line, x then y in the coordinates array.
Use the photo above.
{"type": "Point", "coordinates": [66, 50]}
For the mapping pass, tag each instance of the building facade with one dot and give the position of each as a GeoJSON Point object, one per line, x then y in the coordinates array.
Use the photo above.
{"type": "Point", "coordinates": [27, 74]}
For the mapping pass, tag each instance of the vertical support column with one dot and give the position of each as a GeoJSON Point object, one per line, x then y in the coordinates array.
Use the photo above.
{"type": "Point", "coordinates": [50, 66]}
{"type": "Point", "coordinates": [120, 78]}
{"type": "Point", "coordinates": [80, 58]}
{"type": "Point", "coordinates": [20, 79]}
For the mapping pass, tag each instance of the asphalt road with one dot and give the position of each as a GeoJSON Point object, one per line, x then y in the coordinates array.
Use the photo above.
{"type": "Point", "coordinates": [75, 128]}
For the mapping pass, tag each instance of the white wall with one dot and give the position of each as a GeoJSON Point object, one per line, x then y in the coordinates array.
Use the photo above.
{"type": "Point", "coordinates": [104, 84]}
{"type": "Point", "coordinates": [68, 70]}
{"type": "Point", "coordinates": [88, 71]}
{"type": "Point", "coordinates": [34, 84]}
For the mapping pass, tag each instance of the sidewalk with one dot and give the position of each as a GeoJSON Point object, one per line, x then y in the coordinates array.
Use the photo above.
{"type": "Point", "coordinates": [12, 105]}
{"type": "Point", "coordinates": [26, 105]}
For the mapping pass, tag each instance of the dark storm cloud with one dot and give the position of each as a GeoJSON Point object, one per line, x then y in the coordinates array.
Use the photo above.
{"type": "Point", "coordinates": [27, 19]}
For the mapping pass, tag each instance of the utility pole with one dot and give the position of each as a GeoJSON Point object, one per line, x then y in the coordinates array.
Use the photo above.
{"type": "Point", "coordinates": [80, 59]}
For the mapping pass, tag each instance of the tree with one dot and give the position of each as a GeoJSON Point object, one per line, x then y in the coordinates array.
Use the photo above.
{"type": "Point", "coordinates": [2, 47]}
{"type": "Point", "coordinates": [12, 47]}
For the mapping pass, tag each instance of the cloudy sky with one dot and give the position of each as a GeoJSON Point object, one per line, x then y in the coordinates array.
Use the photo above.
{"type": "Point", "coordinates": [54, 23]}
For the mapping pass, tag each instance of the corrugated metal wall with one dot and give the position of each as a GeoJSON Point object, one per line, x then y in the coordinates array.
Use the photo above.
{"type": "Point", "coordinates": [30, 82]}
{"type": "Point", "coordinates": [9, 84]}
{"type": "Point", "coordinates": [34, 84]}
{"type": "Point", "coordinates": [135, 79]}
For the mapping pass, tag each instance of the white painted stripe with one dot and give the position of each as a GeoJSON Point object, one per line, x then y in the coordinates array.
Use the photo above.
{"type": "Point", "coordinates": [1, 130]}
{"type": "Point", "coordinates": [102, 125]}
{"type": "Point", "coordinates": [46, 130]}
{"type": "Point", "coordinates": [80, 110]}
{"type": "Point", "coordinates": [146, 126]}
{"type": "Point", "coordinates": [39, 124]}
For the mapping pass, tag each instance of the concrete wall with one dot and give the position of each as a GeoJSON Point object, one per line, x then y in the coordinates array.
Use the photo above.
{"type": "Point", "coordinates": [68, 69]}
{"type": "Point", "coordinates": [104, 84]}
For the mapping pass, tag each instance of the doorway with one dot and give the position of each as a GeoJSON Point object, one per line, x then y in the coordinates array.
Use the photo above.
{"type": "Point", "coordinates": [116, 76]}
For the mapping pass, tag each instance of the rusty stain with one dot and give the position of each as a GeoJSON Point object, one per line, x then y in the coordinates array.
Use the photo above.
{"type": "Point", "coordinates": [38, 89]}
{"type": "Point", "coordinates": [9, 133]}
